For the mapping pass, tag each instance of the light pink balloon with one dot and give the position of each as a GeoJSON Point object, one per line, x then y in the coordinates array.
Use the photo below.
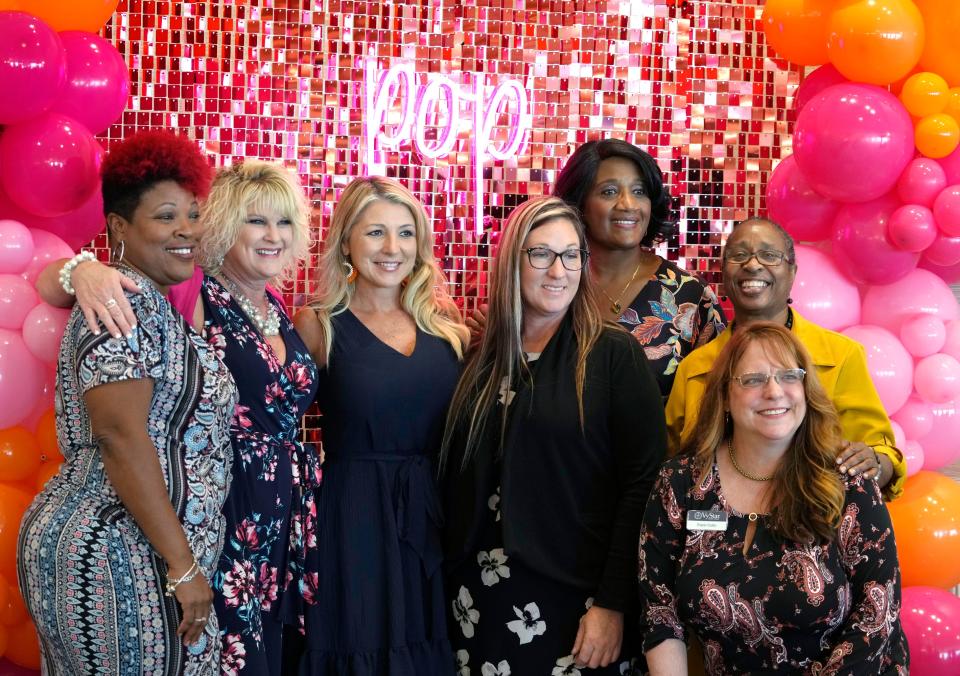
{"type": "Point", "coordinates": [937, 379]}
{"type": "Point", "coordinates": [942, 445]}
{"type": "Point", "coordinates": [792, 203]}
{"type": "Point", "coordinates": [946, 210]}
{"type": "Point", "coordinates": [921, 182]}
{"type": "Point", "coordinates": [915, 418]}
{"type": "Point", "coordinates": [951, 344]}
{"type": "Point", "coordinates": [17, 298]}
{"type": "Point", "coordinates": [814, 83]}
{"type": "Point", "coordinates": [888, 362]}
{"type": "Point", "coordinates": [822, 293]}
{"type": "Point", "coordinates": [43, 330]}
{"type": "Point", "coordinates": [20, 378]}
{"type": "Point", "coordinates": [16, 247]}
{"type": "Point", "coordinates": [945, 251]}
{"type": "Point", "coordinates": [912, 228]}
{"type": "Point", "coordinates": [923, 335]}
{"type": "Point", "coordinates": [861, 247]}
{"type": "Point", "coordinates": [899, 436]}
{"type": "Point", "coordinates": [852, 141]}
{"type": "Point", "coordinates": [47, 248]}
{"type": "Point", "coordinates": [913, 455]}
{"type": "Point", "coordinates": [920, 291]}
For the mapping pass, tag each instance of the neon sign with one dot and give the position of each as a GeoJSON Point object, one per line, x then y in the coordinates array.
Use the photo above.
{"type": "Point", "coordinates": [417, 100]}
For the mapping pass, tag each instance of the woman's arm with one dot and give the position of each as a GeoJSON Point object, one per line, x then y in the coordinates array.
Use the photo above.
{"type": "Point", "coordinates": [668, 659]}
{"type": "Point", "coordinates": [95, 284]}
{"type": "Point", "coordinates": [311, 332]}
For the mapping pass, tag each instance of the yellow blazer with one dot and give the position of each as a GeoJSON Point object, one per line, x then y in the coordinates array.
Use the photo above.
{"type": "Point", "coordinates": [842, 366]}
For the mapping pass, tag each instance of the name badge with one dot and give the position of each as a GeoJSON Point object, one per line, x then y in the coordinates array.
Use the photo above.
{"type": "Point", "coordinates": [706, 519]}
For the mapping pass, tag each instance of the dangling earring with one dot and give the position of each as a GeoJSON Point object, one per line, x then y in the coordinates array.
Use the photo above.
{"type": "Point", "coordinates": [116, 258]}
{"type": "Point", "coordinates": [723, 299]}
{"type": "Point", "coordinates": [351, 272]}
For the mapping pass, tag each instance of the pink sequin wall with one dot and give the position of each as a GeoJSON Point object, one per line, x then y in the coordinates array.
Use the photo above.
{"type": "Point", "coordinates": [285, 80]}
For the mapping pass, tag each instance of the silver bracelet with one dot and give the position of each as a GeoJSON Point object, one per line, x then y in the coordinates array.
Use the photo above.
{"type": "Point", "coordinates": [67, 270]}
{"type": "Point", "coordinates": [172, 583]}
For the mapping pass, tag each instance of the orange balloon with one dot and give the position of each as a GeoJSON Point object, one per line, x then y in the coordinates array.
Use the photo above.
{"type": "Point", "coordinates": [19, 454]}
{"type": "Point", "coordinates": [797, 29]}
{"type": "Point", "coordinates": [953, 103]}
{"type": "Point", "coordinates": [13, 503]}
{"type": "Point", "coordinates": [941, 49]}
{"type": "Point", "coordinates": [46, 472]}
{"type": "Point", "coordinates": [875, 41]}
{"type": "Point", "coordinates": [924, 94]}
{"type": "Point", "coordinates": [937, 135]}
{"type": "Point", "coordinates": [13, 5]}
{"type": "Point", "coordinates": [15, 611]}
{"type": "Point", "coordinates": [23, 648]}
{"type": "Point", "coordinates": [926, 520]}
{"type": "Point", "coordinates": [4, 594]}
{"type": "Point", "coordinates": [71, 15]}
{"type": "Point", "coordinates": [46, 436]}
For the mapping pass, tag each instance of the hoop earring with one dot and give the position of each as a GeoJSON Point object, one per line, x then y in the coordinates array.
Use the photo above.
{"type": "Point", "coordinates": [351, 272]}
{"type": "Point", "coordinates": [116, 258]}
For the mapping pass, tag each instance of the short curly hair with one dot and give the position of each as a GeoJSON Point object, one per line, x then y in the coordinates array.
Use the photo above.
{"type": "Point", "coordinates": [146, 158]}
{"type": "Point", "coordinates": [579, 174]}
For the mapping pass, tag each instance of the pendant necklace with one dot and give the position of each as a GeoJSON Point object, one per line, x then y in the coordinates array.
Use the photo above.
{"type": "Point", "coordinates": [615, 306]}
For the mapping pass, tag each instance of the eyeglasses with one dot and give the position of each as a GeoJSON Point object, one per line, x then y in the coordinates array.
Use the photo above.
{"type": "Point", "coordinates": [764, 256]}
{"type": "Point", "coordinates": [782, 376]}
{"type": "Point", "coordinates": [542, 258]}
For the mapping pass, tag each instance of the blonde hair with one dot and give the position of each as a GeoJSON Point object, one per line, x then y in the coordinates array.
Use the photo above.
{"type": "Point", "coordinates": [808, 492]}
{"type": "Point", "coordinates": [238, 189]}
{"type": "Point", "coordinates": [500, 353]}
{"type": "Point", "coordinates": [425, 296]}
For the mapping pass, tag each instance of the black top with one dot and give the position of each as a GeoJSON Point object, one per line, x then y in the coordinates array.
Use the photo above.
{"type": "Point", "coordinates": [571, 499]}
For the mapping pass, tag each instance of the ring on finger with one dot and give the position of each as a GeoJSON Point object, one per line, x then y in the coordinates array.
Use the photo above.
{"type": "Point", "coordinates": [111, 303]}
{"type": "Point", "coordinates": [200, 619]}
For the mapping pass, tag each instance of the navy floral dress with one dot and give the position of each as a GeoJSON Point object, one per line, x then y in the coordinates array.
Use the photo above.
{"type": "Point", "coordinates": [673, 314]}
{"type": "Point", "coordinates": [269, 510]}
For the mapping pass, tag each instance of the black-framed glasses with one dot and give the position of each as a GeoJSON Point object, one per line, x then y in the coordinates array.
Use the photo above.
{"type": "Point", "coordinates": [781, 376]}
{"type": "Point", "coordinates": [766, 257]}
{"type": "Point", "coordinates": [542, 258]}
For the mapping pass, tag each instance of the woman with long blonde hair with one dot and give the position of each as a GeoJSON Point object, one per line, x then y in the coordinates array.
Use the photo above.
{"type": "Point", "coordinates": [389, 343]}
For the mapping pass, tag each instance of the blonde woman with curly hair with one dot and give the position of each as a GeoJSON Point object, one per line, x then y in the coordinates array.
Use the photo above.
{"type": "Point", "coordinates": [389, 341]}
{"type": "Point", "coordinates": [752, 541]}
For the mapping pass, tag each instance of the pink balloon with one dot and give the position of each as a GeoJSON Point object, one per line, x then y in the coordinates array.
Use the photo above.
{"type": "Point", "coordinates": [948, 273]}
{"type": "Point", "coordinates": [822, 293]}
{"type": "Point", "coordinates": [16, 247]}
{"type": "Point", "coordinates": [915, 418]}
{"type": "Point", "coordinates": [918, 292]}
{"type": "Point", "coordinates": [792, 203]}
{"type": "Point", "coordinates": [945, 251]}
{"type": "Point", "coordinates": [940, 445]}
{"type": "Point", "coordinates": [913, 456]}
{"type": "Point", "coordinates": [931, 621]}
{"type": "Point", "coordinates": [17, 298]}
{"type": "Point", "coordinates": [47, 248]}
{"type": "Point", "coordinates": [951, 344]}
{"type": "Point", "coordinates": [951, 166]}
{"type": "Point", "coordinates": [43, 330]}
{"type": "Point", "coordinates": [20, 379]}
{"type": "Point", "coordinates": [32, 67]}
{"type": "Point", "coordinates": [77, 228]}
{"type": "Point", "coordinates": [814, 83]}
{"type": "Point", "coordinates": [861, 247]}
{"type": "Point", "coordinates": [921, 182]}
{"type": "Point", "coordinates": [937, 379]}
{"type": "Point", "coordinates": [98, 83]}
{"type": "Point", "coordinates": [946, 210]}
{"type": "Point", "coordinates": [899, 436]}
{"type": "Point", "coordinates": [912, 228]}
{"type": "Point", "coordinates": [923, 335]}
{"type": "Point", "coordinates": [889, 363]}
{"type": "Point", "coordinates": [852, 141]}
{"type": "Point", "coordinates": [49, 165]}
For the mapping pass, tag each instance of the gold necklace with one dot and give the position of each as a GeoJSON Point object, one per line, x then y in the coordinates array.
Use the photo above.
{"type": "Point", "coordinates": [615, 306]}
{"type": "Point", "coordinates": [733, 460]}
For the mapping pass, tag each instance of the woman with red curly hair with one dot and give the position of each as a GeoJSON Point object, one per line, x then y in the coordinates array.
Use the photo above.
{"type": "Point", "coordinates": [116, 552]}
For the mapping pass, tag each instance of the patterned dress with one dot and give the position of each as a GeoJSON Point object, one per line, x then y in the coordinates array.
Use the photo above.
{"type": "Point", "coordinates": [268, 511]}
{"type": "Point", "coordinates": [818, 609]}
{"type": "Point", "coordinates": [90, 579]}
{"type": "Point", "coordinates": [673, 314]}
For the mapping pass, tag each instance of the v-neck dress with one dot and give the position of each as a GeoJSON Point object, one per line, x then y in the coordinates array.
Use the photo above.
{"type": "Point", "coordinates": [373, 587]}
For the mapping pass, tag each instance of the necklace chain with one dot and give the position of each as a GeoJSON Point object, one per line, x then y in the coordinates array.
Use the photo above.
{"type": "Point", "coordinates": [270, 325]}
{"type": "Point", "coordinates": [740, 470]}
{"type": "Point", "coordinates": [615, 306]}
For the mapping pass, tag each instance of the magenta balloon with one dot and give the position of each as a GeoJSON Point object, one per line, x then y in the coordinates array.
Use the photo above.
{"type": "Point", "coordinates": [948, 273]}
{"type": "Point", "coordinates": [43, 330]}
{"type": "Point", "coordinates": [889, 363]}
{"type": "Point", "coordinates": [913, 456]}
{"type": "Point", "coordinates": [923, 335]}
{"type": "Point", "coordinates": [16, 247]}
{"type": "Point", "coordinates": [49, 165]}
{"type": "Point", "coordinates": [852, 142]}
{"type": "Point", "coordinates": [32, 67]}
{"type": "Point", "coordinates": [17, 298]}
{"type": "Point", "coordinates": [796, 206]}
{"type": "Point", "coordinates": [47, 248]}
{"type": "Point", "coordinates": [21, 378]}
{"type": "Point", "coordinates": [941, 446]}
{"type": "Point", "coordinates": [937, 379]}
{"type": "Point", "coordinates": [814, 83]}
{"type": "Point", "coordinates": [921, 182]}
{"type": "Point", "coordinates": [931, 621]}
{"type": "Point", "coordinates": [912, 228]}
{"type": "Point", "coordinates": [946, 210]}
{"type": "Point", "coordinates": [98, 83]}
{"type": "Point", "coordinates": [951, 166]}
{"type": "Point", "coordinates": [861, 247]}
{"type": "Point", "coordinates": [822, 293]}
{"type": "Point", "coordinates": [919, 292]}
{"type": "Point", "coordinates": [915, 417]}
{"type": "Point", "coordinates": [77, 228]}
{"type": "Point", "coordinates": [945, 251]}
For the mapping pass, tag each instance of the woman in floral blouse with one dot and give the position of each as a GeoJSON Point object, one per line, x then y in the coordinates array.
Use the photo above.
{"type": "Point", "coordinates": [753, 542]}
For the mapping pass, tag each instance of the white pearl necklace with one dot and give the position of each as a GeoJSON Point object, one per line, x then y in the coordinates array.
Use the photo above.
{"type": "Point", "coordinates": [269, 325]}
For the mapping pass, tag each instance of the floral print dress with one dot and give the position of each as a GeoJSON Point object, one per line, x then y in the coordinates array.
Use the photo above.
{"type": "Point", "coordinates": [269, 510]}
{"type": "Point", "coordinates": [817, 609]}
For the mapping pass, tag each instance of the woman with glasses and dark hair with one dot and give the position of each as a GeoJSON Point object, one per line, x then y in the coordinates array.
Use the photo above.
{"type": "Point", "coordinates": [553, 438]}
{"type": "Point", "coordinates": [759, 266]}
{"type": "Point", "coordinates": [754, 544]}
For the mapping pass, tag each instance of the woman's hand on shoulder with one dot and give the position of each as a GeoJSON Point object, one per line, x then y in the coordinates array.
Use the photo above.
{"type": "Point", "coordinates": [599, 638]}
{"type": "Point", "coordinates": [102, 298]}
{"type": "Point", "coordinates": [476, 321]}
